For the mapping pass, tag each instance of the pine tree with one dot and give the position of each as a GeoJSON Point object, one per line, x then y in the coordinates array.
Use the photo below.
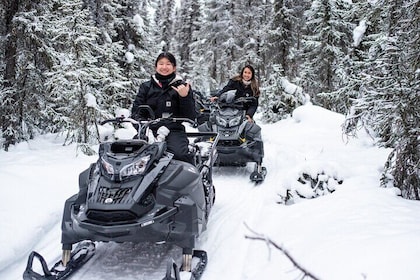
{"type": "Point", "coordinates": [186, 24]}
{"type": "Point", "coordinates": [249, 19]}
{"type": "Point", "coordinates": [75, 74]}
{"type": "Point", "coordinates": [325, 50]}
{"type": "Point", "coordinates": [164, 14]}
{"type": "Point", "coordinates": [280, 97]}
{"type": "Point", "coordinates": [212, 51]}
{"type": "Point", "coordinates": [26, 58]}
{"type": "Point", "coordinates": [284, 32]}
{"type": "Point", "coordinates": [123, 27]}
{"type": "Point", "coordinates": [8, 94]}
{"type": "Point", "coordinates": [390, 92]}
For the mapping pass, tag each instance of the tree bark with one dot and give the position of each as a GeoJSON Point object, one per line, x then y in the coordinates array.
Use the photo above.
{"type": "Point", "coordinates": [11, 8]}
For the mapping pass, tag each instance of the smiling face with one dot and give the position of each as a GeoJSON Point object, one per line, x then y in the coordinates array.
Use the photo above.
{"type": "Point", "coordinates": [247, 74]}
{"type": "Point", "coordinates": [164, 67]}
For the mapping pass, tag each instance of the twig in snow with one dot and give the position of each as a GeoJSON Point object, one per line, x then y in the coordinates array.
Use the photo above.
{"type": "Point", "coordinates": [262, 237]}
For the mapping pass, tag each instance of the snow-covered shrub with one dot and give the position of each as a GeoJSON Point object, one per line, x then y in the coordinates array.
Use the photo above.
{"type": "Point", "coordinates": [310, 182]}
{"type": "Point", "coordinates": [280, 98]}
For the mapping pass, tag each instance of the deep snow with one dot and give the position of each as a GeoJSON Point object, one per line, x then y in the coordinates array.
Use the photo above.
{"type": "Point", "coordinates": [359, 231]}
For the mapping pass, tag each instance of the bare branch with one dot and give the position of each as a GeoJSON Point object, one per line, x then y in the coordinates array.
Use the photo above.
{"type": "Point", "coordinates": [262, 237]}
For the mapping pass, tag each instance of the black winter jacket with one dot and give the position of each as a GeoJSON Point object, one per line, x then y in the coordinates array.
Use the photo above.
{"type": "Point", "coordinates": [241, 91]}
{"type": "Point", "coordinates": [164, 100]}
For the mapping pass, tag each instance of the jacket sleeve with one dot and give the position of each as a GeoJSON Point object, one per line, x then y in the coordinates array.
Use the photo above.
{"type": "Point", "coordinates": [252, 108]}
{"type": "Point", "coordinates": [187, 105]}
{"type": "Point", "coordinates": [230, 86]}
{"type": "Point", "coordinates": [140, 99]}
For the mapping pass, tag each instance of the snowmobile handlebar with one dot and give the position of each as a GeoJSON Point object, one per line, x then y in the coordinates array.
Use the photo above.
{"type": "Point", "coordinates": [171, 119]}
{"type": "Point", "coordinates": [151, 120]}
{"type": "Point", "coordinates": [236, 103]}
{"type": "Point", "coordinates": [121, 119]}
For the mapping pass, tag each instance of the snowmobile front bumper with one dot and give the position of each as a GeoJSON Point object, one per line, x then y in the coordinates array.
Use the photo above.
{"type": "Point", "coordinates": [240, 155]}
{"type": "Point", "coordinates": [112, 231]}
{"type": "Point", "coordinates": [178, 224]}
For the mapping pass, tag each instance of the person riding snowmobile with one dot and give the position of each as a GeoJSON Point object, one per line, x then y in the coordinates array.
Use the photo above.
{"type": "Point", "coordinates": [168, 95]}
{"type": "Point", "coordinates": [246, 85]}
{"type": "Point", "coordinates": [240, 142]}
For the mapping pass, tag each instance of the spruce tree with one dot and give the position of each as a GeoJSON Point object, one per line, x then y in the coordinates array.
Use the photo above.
{"type": "Point", "coordinates": [26, 58]}
{"type": "Point", "coordinates": [325, 49]}
{"type": "Point", "coordinates": [389, 95]}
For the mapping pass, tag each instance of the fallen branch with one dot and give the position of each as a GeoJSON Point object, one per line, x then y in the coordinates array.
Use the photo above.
{"type": "Point", "coordinates": [262, 237]}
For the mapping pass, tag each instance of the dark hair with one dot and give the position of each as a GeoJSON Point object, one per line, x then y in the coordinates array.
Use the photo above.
{"type": "Point", "coordinates": [255, 86]}
{"type": "Point", "coordinates": [250, 68]}
{"type": "Point", "coordinates": [167, 55]}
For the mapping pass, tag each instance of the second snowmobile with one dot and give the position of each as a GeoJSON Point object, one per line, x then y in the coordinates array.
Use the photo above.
{"type": "Point", "coordinates": [240, 141]}
{"type": "Point", "coordinates": [136, 192]}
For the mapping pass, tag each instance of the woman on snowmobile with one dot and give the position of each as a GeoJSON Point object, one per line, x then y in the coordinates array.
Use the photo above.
{"type": "Point", "coordinates": [246, 85]}
{"type": "Point", "coordinates": [168, 95]}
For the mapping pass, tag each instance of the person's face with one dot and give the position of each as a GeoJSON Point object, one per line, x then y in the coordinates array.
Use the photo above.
{"type": "Point", "coordinates": [247, 74]}
{"type": "Point", "coordinates": [165, 67]}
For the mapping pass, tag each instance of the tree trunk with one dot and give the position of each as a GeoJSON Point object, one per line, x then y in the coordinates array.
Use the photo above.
{"type": "Point", "coordinates": [11, 8]}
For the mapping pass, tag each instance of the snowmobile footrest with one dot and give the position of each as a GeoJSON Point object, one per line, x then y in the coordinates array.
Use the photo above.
{"type": "Point", "coordinates": [81, 254]}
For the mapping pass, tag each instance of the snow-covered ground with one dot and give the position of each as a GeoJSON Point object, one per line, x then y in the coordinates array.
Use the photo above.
{"type": "Point", "coordinates": [359, 231]}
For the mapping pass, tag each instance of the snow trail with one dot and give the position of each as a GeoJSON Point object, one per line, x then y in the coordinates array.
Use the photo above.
{"type": "Point", "coordinates": [238, 201]}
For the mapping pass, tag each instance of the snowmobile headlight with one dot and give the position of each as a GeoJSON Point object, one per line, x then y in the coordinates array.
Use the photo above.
{"type": "Point", "coordinates": [107, 166]}
{"type": "Point", "coordinates": [135, 168]}
{"type": "Point", "coordinates": [220, 121]}
{"type": "Point", "coordinates": [235, 121]}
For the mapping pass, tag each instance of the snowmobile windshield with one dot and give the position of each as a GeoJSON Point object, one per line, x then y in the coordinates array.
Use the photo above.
{"type": "Point", "coordinates": [228, 96]}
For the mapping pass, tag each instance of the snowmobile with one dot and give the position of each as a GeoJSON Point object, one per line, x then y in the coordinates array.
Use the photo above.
{"type": "Point", "coordinates": [240, 141]}
{"type": "Point", "coordinates": [137, 192]}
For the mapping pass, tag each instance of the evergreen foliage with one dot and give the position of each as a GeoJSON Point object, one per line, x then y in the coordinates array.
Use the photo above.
{"type": "Point", "coordinates": [280, 97]}
{"type": "Point", "coordinates": [65, 65]}
{"type": "Point", "coordinates": [325, 48]}
{"type": "Point", "coordinates": [389, 94]}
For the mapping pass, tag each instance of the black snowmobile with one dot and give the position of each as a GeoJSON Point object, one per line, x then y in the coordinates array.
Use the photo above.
{"type": "Point", "coordinates": [136, 192]}
{"type": "Point", "coordinates": [240, 141]}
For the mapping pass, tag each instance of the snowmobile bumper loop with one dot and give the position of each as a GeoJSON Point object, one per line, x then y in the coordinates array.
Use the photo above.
{"type": "Point", "coordinates": [82, 253]}
{"type": "Point", "coordinates": [30, 274]}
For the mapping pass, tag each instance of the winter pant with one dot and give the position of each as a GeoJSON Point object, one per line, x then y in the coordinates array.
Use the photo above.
{"type": "Point", "coordinates": [177, 143]}
{"type": "Point", "coordinates": [253, 131]}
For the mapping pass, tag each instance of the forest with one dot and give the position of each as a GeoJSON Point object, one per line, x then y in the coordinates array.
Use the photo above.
{"type": "Point", "coordinates": [357, 58]}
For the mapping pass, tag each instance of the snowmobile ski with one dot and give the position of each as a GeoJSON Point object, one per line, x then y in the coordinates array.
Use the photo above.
{"type": "Point", "coordinates": [258, 176]}
{"type": "Point", "coordinates": [80, 255]}
{"type": "Point", "coordinates": [172, 272]}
